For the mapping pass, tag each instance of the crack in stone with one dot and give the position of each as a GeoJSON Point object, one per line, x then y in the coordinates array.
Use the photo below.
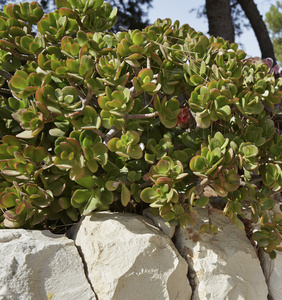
{"type": "Point", "coordinates": [85, 268]}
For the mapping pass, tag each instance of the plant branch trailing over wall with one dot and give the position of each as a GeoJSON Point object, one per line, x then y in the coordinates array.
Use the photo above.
{"type": "Point", "coordinates": [92, 120]}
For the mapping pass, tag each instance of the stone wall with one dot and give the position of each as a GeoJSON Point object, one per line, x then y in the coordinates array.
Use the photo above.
{"type": "Point", "coordinates": [121, 256]}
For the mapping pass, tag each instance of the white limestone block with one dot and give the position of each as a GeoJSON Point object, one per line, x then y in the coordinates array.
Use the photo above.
{"type": "Point", "coordinates": [35, 264]}
{"type": "Point", "coordinates": [129, 258]}
{"type": "Point", "coordinates": [223, 266]}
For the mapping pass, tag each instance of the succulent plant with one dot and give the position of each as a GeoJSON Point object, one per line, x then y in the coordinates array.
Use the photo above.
{"type": "Point", "coordinates": [209, 105]}
{"type": "Point", "coordinates": [25, 165]}
{"type": "Point", "coordinates": [96, 120]}
{"type": "Point", "coordinates": [58, 101]}
{"type": "Point", "coordinates": [168, 111]}
{"type": "Point", "coordinates": [114, 106]}
{"type": "Point", "coordinates": [212, 157]}
{"type": "Point", "coordinates": [26, 204]}
{"type": "Point", "coordinates": [145, 82]}
{"type": "Point", "coordinates": [127, 146]}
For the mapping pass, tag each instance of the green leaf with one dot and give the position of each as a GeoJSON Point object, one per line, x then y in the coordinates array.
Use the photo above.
{"type": "Point", "coordinates": [16, 104]}
{"type": "Point", "coordinates": [18, 82]}
{"type": "Point", "coordinates": [107, 197]}
{"type": "Point", "coordinates": [79, 197]}
{"type": "Point", "coordinates": [74, 49]}
{"type": "Point", "coordinates": [92, 204]}
{"type": "Point", "coordinates": [238, 222]}
{"type": "Point", "coordinates": [201, 202]}
{"type": "Point", "coordinates": [135, 151]}
{"type": "Point", "coordinates": [62, 3]}
{"type": "Point", "coordinates": [213, 229]}
{"type": "Point", "coordinates": [263, 242]}
{"type": "Point", "coordinates": [125, 195]}
{"type": "Point", "coordinates": [72, 214]}
{"type": "Point", "coordinates": [203, 122]}
{"type": "Point", "coordinates": [149, 195]}
{"type": "Point", "coordinates": [7, 44]}
{"type": "Point", "coordinates": [9, 200]}
{"type": "Point", "coordinates": [150, 158]}
{"type": "Point", "coordinates": [92, 165]}
{"type": "Point", "coordinates": [76, 172]}
{"type": "Point", "coordinates": [86, 181]}
{"type": "Point", "coordinates": [138, 38]}
{"type": "Point", "coordinates": [112, 185]}
{"type": "Point", "coordinates": [198, 163]}
{"type": "Point", "coordinates": [81, 38]}
{"type": "Point", "coordinates": [268, 204]}
{"type": "Point", "coordinates": [197, 80]}
{"type": "Point", "coordinates": [204, 228]}
{"type": "Point", "coordinates": [68, 13]}
{"type": "Point", "coordinates": [97, 3]}
{"type": "Point", "coordinates": [272, 255]}
{"type": "Point", "coordinates": [26, 134]}
{"type": "Point", "coordinates": [61, 70]}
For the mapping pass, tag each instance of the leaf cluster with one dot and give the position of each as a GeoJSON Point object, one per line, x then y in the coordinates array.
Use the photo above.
{"type": "Point", "coordinates": [95, 120]}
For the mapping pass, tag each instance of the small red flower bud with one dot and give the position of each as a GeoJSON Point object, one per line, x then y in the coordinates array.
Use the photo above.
{"type": "Point", "coordinates": [183, 117]}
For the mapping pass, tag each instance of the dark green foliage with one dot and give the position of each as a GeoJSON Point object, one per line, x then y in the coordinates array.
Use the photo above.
{"type": "Point", "coordinates": [92, 120]}
{"type": "Point", "coordinates": [274, 22]}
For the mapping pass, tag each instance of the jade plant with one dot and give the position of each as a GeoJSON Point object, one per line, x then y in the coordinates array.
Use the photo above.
{"type": "Point", "coordinates": [164, 117]}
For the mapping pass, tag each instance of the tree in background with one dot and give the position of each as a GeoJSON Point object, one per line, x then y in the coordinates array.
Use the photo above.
{"type": "Point", "coordinates": [132, 13]}
{"type": "Point", "coordinates": [259, 27]}
{"type": "Point", "coordinates": [274, 23]}
{"type": "Point", "coordinates": [220, 20]}
{"type": "Point", "coordinates": [228, 17]}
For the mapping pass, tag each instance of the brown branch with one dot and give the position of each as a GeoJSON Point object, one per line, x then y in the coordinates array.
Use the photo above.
{"type": "Point", "coordinates": [145, 184]}
{"type": "Point", "coordinates": [99, 132]}
{"type": "Point", "coordinates": [201, 186]}
{"type": "Point", "coordinates": [112, 132]}
{"type": "Point", "coordinates": [210, 208]}
{"type": "Point", "coordinates": [5, 91]}
{"type": "Point", "coordinates": [80, 95]}
{"type": "Point", "coordinates": [19, 55]}
{"type": "Point", "coordinates": [80, 25]}
{"type": "Point", "coordinates": [84, 100]}
{"type": "Point", "coordinates": [141, 116]}
{"type": "Point", "coordinates": [5, 74]}
{"type": "Point", "coordinates": [148, 63]}
{"type": "Point", "coordinates": [88, 98]}
{"type": "Point", "coordinates": [23, 56]}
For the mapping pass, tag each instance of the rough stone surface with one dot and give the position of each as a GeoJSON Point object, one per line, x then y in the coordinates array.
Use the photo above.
{"type": "Point", "coordinates": [160, 223]}
{"type": "Point", "coordinates": [273, 274]}
{"type": "Point", "coordinates": [222, 266]}
{"type": "Point", "coordinates": [129, 258]}
{"type": "Point", "coordinates": [35, 264]}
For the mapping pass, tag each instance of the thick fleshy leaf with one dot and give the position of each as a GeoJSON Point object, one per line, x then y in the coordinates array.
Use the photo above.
{"type": "Point", "coordinates": [92, 165]}
{"type": "Point", "coordinates": [92, 204]}
{"type": "Point", "coordinates": [86, 181]}
{"type": "Point", "coordinates": [125, 195]}
{"type": "Point", "coordinates": [63, 3]}
{"type": "Point", "coordinates": [9, 200]}
{"type": "Point", "coordinates": [18, 82]}
{"type": "Point", "coordinates": [197, 80]}
{"type": "Point", "coordinates": [149, 195]}
{"type": "Point", "coordinates": [201, 202]}
{"type": "Point", "coordinates": [76, 172]}
{"type": "Point", "coordinates": [64, 11]}
{"type": "Point", "coordinates": [81, 37]}
{"type": "Point", "coordinates": [80, 197]}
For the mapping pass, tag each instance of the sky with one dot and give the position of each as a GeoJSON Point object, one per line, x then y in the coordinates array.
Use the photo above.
{"type": "Point", "coordinates": [180, 10]}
